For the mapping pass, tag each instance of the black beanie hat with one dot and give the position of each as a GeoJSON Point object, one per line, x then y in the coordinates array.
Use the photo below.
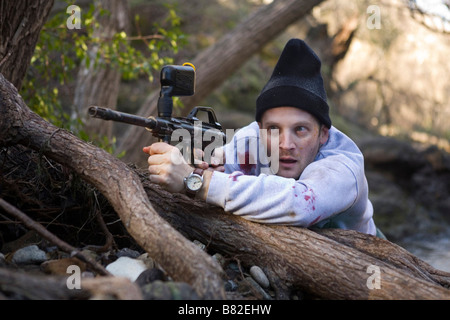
{"type": "Point", "coordinates": [297, 82]}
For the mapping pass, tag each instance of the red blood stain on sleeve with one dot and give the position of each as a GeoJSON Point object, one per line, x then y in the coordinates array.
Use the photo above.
{"type": "Point", "coordinates": [246, 166]}
{"type": "Point", "coordinates": [315, 221]}
{"type": "Point", "coordinates": [234, 175]}
{"type": "Point", "coordinates": [310, 198]}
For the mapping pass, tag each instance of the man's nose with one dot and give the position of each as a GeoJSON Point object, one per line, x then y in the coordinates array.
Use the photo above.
{"type": "Point", "coordinates": [286, 141]}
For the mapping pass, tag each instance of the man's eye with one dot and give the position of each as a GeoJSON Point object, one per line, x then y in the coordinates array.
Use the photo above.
{"type": "Point", "coordinates": [270, 128]}
{"type": "Point", "coordinates": [300, 129]}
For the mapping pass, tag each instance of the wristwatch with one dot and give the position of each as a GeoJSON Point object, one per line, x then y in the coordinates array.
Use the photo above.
{"type": "Point", "coordinates": [194, 182]}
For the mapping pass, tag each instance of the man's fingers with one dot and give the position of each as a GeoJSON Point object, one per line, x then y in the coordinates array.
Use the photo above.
{"type": "Point", "coordinates": [157, 159]}
{"type": "Point", "coordinates": [159, 147]}
{"type": "Point", "coordinates": [218, 157]}
{"type": "Point", "coordinates": [146, 149]}
{"type": "Point", "coordinates": [202, 165]}
{"type": "Point", "coordinates": [156, 179]}
{"type": "Point", "coordinates": [156, 169]}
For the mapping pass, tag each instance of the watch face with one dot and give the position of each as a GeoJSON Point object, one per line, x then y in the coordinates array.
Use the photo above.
{"type": "Point", "coordinates": [194, 182]}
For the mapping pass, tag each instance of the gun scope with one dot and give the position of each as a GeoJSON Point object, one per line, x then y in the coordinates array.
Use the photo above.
{"type": "Point", "coordinates": [181, 79]}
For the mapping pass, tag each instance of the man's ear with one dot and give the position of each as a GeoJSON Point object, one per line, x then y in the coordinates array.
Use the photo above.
{"type": "Point", "coordinates": [260, 125]}
{"type": "Point", "coordinates": [324, 134]}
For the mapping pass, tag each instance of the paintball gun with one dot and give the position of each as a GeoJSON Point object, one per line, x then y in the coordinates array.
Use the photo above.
{"type": "Point", "coordinates": [175, 80]}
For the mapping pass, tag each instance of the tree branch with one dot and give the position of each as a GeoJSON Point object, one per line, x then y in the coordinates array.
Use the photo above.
{"type": "Point", "coordinates": [29, 223]}
{"type": "Point", "coordinates": [119, 184]}
{"type": "Point", "coordinates": [330, 264]}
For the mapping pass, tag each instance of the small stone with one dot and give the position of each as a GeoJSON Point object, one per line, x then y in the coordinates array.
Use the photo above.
{"type": "Point", "coordinates": [260, 277]}
{"type": "Point", "coordinates": [126, 252]}
{"type": "Point", "coordinates": [127, 267]}
{"type": "Point", "coordinates": [230, 285]}
{"type": "Point", "coordinates": [234, 267]}
{"type": "Point", "coordinates": [90, 254]}
{"type": "Point", "coordinates": [219, 258]}
{"type": "Point", "coordinates": [29, 255]}
{"type": "Point", "coordinates": [60, 266]}
{"type": "Point", "coordinates": [149, 262]}
{"type": "Point", "coordinates": [150, 275]}
{"type": "Point", "coordinates": [87, 274]}
{"type": "Point", "coordinates": [199, 244]}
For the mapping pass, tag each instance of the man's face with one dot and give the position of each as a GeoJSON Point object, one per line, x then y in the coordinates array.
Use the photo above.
{"type": "Point", "coordinates": [300, 137]}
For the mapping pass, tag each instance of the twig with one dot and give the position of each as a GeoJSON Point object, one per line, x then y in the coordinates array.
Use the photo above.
{"type": "Point", "coordinates": [31, 224]}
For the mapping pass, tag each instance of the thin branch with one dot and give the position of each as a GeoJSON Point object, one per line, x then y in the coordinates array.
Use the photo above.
{"type": "Point", "coordinates": [31, 224]}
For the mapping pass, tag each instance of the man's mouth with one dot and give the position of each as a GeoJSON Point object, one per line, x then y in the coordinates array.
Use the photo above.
{"type": "Point", "coordinates": [287, 160]}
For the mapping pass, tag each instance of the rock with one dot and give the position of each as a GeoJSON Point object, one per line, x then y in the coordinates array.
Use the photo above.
{"type": "Point", "coordinates": [220, 259]}
{"type": "Point", "coordinates": [199, 244]}
{"type": "Point", "coordinates": [127, 267]}
{"type": "Point", "coordinates": [260, 277]}
{"type": "Point", "coordinates": [29, 255]}
{"type": "Point", "coordinates": [230, 285]}
{"type": "Point", "coordinates": [147, 260]}
{"type": "Point", "coordinates": [232, 270]}
{"type": "Point", "coordinates": [87, 274]}
{"type": "Point", "coordinates": [126, 252]}
{"type": "Point", "coordinates": [150, 275]}
{"type": "Point", "coordinates": [59, 266]}
{"type": "Point", "coordinates": [90, 254]}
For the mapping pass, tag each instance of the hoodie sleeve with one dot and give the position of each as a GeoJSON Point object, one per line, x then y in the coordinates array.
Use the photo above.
{"type": "Point", "coordinates": [325, 188]}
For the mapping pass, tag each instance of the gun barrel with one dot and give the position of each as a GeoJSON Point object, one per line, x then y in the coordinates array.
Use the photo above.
{"type": "Point", "coordinates": [161, 127]}
{"type": "Point", "coordinates": [108, 114]}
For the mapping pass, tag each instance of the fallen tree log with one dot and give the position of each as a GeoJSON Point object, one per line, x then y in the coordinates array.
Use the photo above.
{"type": "Point", "coordinates": [118, 183]}
{"type": "Point", "coordinates": [330, 264]}
{"type": "Point", "coordinates": [45, 287]}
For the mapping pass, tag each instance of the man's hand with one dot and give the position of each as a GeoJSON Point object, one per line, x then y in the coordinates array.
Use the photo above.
{"type": "Point", "coordinates": [167, 166]}
{"type": "Point", "coordinates": [216, 161]}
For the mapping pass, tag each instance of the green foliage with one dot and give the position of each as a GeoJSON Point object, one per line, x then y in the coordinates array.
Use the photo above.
{"type": "Point", "coordinates": [60, 51]}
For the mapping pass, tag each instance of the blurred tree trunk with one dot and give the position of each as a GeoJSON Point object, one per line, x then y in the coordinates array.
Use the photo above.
{"type": "Point", "coordinates": [20, 25]}
{"type": "Point", "coordinates": [331, 49]}
{"type": "Point", "coordinates": [100, 85]}
{"type": "Point", "coordinates": [216, 63]}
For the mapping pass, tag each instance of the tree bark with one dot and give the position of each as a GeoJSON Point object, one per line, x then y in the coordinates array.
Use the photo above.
{"type": "Point", "coordinates": [45, 287]}
{"type": "Point", "coordinates": [329, 264]}
{"type": "Point", "coordinates": [100, 85]}
{"type": "Point", "coordinates": [119, 184]}
{"type": "Point", "coordinates": [218, 62]}
{"type": "Point", "coordinates": [20, 25]}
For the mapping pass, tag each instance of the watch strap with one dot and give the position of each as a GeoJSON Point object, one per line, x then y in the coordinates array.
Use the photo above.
{"type": "Point", "coordinates": [198, 171]}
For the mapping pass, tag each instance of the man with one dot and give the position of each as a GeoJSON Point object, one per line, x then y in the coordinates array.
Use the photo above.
{"type": "Point", "coordinates": [315, 176]}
